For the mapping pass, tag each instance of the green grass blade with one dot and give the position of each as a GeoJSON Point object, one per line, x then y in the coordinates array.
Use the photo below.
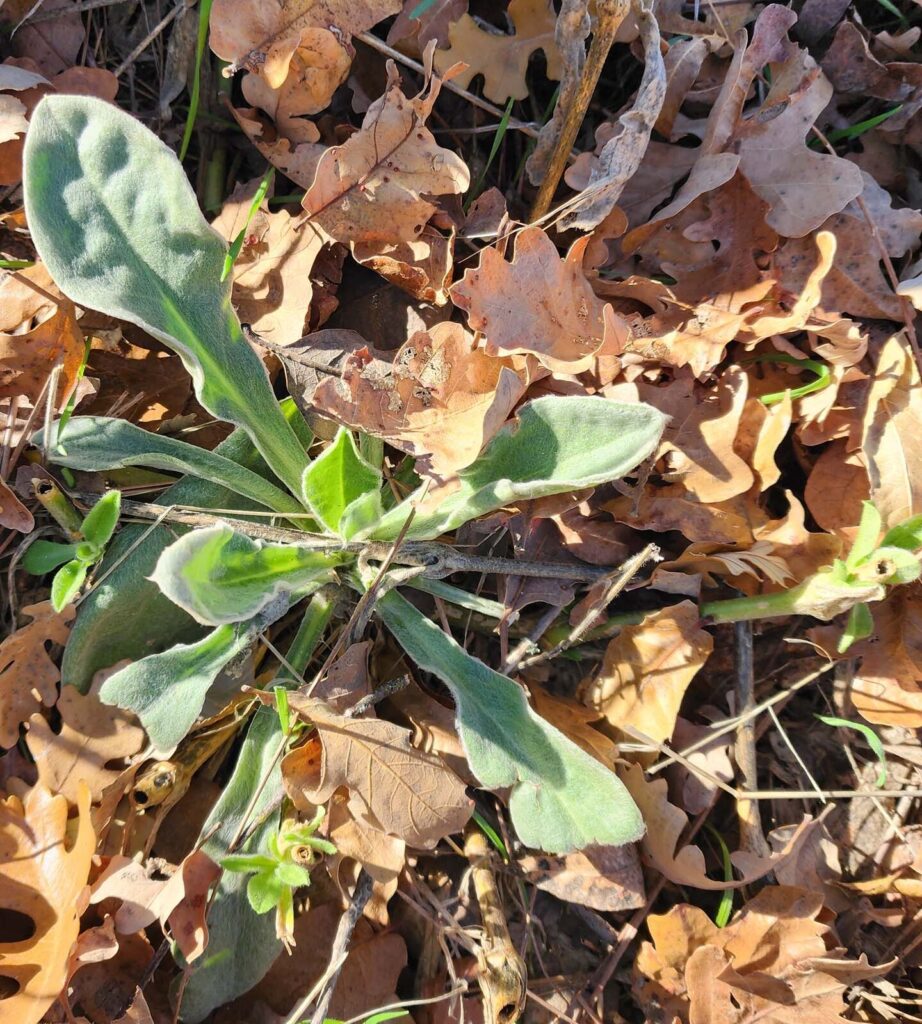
{"type": "Point", "coordinates": [204, 13]}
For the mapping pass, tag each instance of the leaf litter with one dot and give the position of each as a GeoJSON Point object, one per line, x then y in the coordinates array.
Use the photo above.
{"type": "Point", "coordinates": [739, 217]}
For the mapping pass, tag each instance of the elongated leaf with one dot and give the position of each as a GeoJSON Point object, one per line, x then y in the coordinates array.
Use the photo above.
{"type": "Point", "coordinates": [115, 219]}
{"type": "Point", "coordinates": [167, 691]}
{"type": "Point", "coordinates": [100, 523]}
{"type": "Point", "coordinates": [562, 799]}
{"type": "Point", "coordinates": [242, 945]}
{"type": "Point", "coordinates": [67, 583]}
{"type": "Point", "coordinates": [337, 478]}
{"type": "Point", "coordinates": [219, 576]}
{"type": "Point", "coordinates": [94, 443]}
{"type": "Point", "coordinates": [125, 615]}
{"type": "Point", "coordinates": [557, 444]}
{"type": "Point", "coordinates": [45, 555]}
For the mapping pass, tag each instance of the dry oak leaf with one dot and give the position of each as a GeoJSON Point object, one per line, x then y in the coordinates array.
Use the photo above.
{"type": "Point", "coordinates": [416, 26]}
{"type": "Point", "coordinates": [297, 160]}
{"type": "Point", "coordinates": [370, 189]}
{"type": "Point", "coordinates": [539, 304]}
{"type": "Point", "coordinates": [501, 59]}
{"type": "Point", "coordinates": [646, 671]}
{"type": "Point", "coordinates": [28, 676]}
{"type": "Point", "coordinates": [13, 514]}
{"type": "Point", "coordinates": [685, 865]}
{"type": "Point", "coordinates": [318, 67]}
{"type": "Point", "coordinates": [272, 287]}
{"type": "Point", "coordinates": [92, 735]}
{"type": "Point", "coordinates": [775, 962]}
{"type": "Point", "coordinates": [887, 687]}
{"type": "Point", "coordinates": [440, 400]}
{"type": "Point", "coordinates": [178, 902]}
{"type": "Point", "coordinates": [26, 359]}
{"type": "Point", "coordinates": [263, 37]}
{"type": "Point", "coordinates": [421, 267]}
{"type": "Point", "coordinates": [44, 866]}
{"type": "Point", "coordinates": [409, 793]}
{"type": "Point", "coordinates": [664, 509]}
{"type": "Point", "coordinates": [607, 878]}
{"type": "Point", "coordinates": [891, 440]}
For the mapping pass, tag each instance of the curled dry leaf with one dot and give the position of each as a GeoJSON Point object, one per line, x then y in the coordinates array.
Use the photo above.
{"type": "Point", "coordinates": [406, 792]}
{"type": "Point", "coordinates": [295, 159]}
{"type": "Point", "coordinates": [539, 304]}
{"type": "Point", "coordinates": [13, 514]}
{"type": "Point", "coordinates": [370, 189]}
{"type": "Point", "coordinates": [28, 676]}
{"type": "Point", "coordinates": [646, 671]}
{"type": "Point", "coordinates": [501, 59]}
{"type": "Point", "coordinates": [26, 359]}
{"type": "Point", "coordinates": [262, 39]}
{"type": "Point", "coordinates": [178, 902]}
{"type": "Point", "coordinates": [272, 275]}
{"type": "Point", "coordinates": [44, 866]}
{"type": "Point", "coordinates": [421, 24]}
{"type": "Point", "coordinates": [622, 154]}
{"type": "Point", "coordinates": [685, 865]}
{"type": "Point", "coordinates": [92, 736]}
{"type": "Point", "coordinates": [775, 962]}
{"type": "Point", "coordinates": [891, 439]}
{"type": "Point", "coordinates": [440, 400]}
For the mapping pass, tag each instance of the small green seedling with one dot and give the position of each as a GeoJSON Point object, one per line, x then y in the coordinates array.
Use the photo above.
{"type": "Point", "coordinates": [293, 851]}
{"type": "Point", "coordinates": [75, 560]}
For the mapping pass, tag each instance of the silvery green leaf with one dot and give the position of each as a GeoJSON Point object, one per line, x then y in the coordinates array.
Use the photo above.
{"type": "Point", "coordinates": [219, 576]}
{"type": "Point", "coordinates": [337, 478]}
{"type": "Point", "coordinates": [115, 219]}
{"type": "Point", "coordinates": [95, 443]}
{"type": "Point", "coordinates": [562, 799]}
{"type": "Point", "coordinates": [556, 444]}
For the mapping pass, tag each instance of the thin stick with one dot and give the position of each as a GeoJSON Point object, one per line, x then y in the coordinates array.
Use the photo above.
{"type": "Point", "coordinates": [609, 15]}
{"type": "Point", "coordinates": [149, 38]}
{"type": "Point", "coordinates": [437, 559]}
{"type": "Point", "coordinates": [752, 839]}
{"type": "Point", "coordinates": [60, 12]}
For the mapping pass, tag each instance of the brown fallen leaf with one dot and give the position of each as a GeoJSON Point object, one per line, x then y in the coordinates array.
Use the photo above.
{"type": "Point", "coordinates": [295, 159]}
{"type": "Point", "coordinates": [263, 39]}
{"type": "Point", "coordinates": [891, 440]}
{"type": "Point", "coordinates": [646, 671]}
{"type": "Point", "coordinates": [42, 876]}
{"type": "Point", "coordinates": [606, 878]}
{"type": "Point", "coordinates": [13, 514]}
{"type": "Point", "coordinates": [406, 792]}
{"type": "Point", "coordinates": [272, 285]}
{"type": "Point", "coordinates": [370, 189]}
{"type": "Point", "coordinates": [416, 26]}
{"type": "Point", "coordinates": [575, 720]}
{"type": "Point", "coordinates": [539, 304]}
{"type": "Point", "coordinates": [440, 400]}
{"type": "Point", "coordinates": [775, 962]}
{"type": "Point", "coordinates": [503, 59]}
{"type": "Point", "coordinates": [28, 676]}
{"type": "Point", "coordinates": [685, 865]}
{"type": "Point", "coordinates": [92, 736]}
{"type": "Point", "coordinates": [26, 359]}
{"type": "Point", "coordinates": [178, 902]}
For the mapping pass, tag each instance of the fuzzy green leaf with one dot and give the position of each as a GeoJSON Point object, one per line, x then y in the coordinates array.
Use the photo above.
{"type": "Point", "coordinates": [67, 583]}
{"type": "Point", "coordinates": [562, 799]}
{"type": "Point", "coordinates": [45, 555]}
{"type": "Point", "coordinates": [94, 443]}
{"type": "Point", "coordinates": [167, 690]}
{"type": "Point", "coordinates": [337, 478]}
{"type": "Point", "coordinates": [115, 219]}
{"type": "Point", "coordinates": [102, 519]}
{"type": "Point", "coordinates": [219, 576]}
{"type": "Point", "coordinates": [557, 444]}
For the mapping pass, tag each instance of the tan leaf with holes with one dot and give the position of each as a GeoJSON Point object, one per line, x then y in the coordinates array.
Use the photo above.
{"type": "Point", "coordinates": [28, 676]}
{"type": "Point", "coordinates": [44, 866]}
{"type": "Point", "coordinates": [440, 400]}
{"type": "Point", "coordinates": [647, 669]}
{"type": "Point", "coordinates": [410, 794]}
